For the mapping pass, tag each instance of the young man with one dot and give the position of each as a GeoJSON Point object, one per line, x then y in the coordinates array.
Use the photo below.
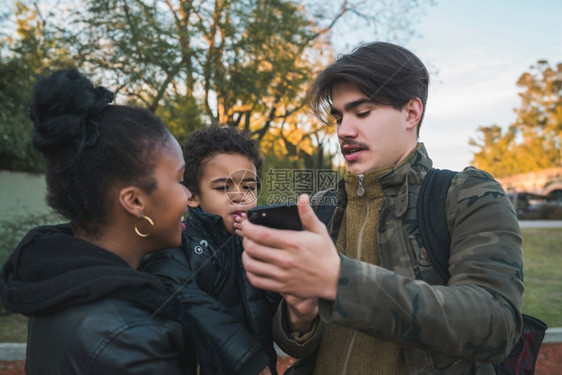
{"type": "Point", "coordinates": [383, 308]}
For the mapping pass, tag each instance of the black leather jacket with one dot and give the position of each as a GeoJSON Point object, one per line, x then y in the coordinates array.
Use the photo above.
{"type": "Point", "coordinates": [90, 313]}
{"type": "Point", "coordinates": [230, 319]}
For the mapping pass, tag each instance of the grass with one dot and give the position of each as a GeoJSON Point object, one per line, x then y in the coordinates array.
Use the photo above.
{"type": "Point", "coordinates": [542, 257]}
{"type": "Point", "coordinates": [13, 328]}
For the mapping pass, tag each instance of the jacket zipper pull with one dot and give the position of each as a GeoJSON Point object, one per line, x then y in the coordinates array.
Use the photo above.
{"type": "Point", "coordinates": [360, 190]}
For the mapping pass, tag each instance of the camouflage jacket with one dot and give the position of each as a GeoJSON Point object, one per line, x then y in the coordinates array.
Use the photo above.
{"type": "Point", "coordinates": [458, 327]}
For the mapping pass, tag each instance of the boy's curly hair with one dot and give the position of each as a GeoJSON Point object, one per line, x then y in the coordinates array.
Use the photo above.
{"type": "Point", "coordinates": [211, 140]}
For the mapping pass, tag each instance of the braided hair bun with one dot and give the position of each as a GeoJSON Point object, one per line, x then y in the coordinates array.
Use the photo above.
{"type": "Point", "coordinates": [64, 110]}
{"type": "Point", "coordinates": [91, 147]}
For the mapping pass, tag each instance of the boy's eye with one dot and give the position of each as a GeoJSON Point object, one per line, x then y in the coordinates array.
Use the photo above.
{"type": "Point", "coordinates": [362, 114]}
{"type": "Point", "coordinates": [249, 187]}
{"type": "Point", "coordinates": [221, 188]}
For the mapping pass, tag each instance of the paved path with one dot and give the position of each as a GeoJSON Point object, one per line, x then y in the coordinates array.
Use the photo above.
{"type": "Point", "coordinates": [16, 351]}
{"type": "Point", "coordinates": [540, 223]}
{"type": "Point", "coordinates": [12, 351]}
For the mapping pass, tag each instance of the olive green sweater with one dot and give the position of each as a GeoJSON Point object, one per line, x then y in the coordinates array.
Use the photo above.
{"type": "Point", "coordinates": [344, 350]}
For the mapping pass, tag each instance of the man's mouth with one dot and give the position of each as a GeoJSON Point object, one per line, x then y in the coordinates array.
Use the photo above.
{"type": "Point", "coordinates": [351, 149]}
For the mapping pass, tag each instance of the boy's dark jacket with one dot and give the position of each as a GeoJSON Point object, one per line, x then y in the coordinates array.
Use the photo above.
{"type": "Point", "coordinates": [231, 319]}
{"type": "Point", "coordinates": [91, 313]}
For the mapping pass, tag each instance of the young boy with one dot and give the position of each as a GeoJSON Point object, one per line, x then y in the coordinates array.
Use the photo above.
{"type": "Point", "coordinates": [231, 320]}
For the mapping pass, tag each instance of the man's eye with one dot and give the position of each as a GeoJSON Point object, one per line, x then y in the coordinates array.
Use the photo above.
{"type": "Point", "coordinates": [221, 188]}
{"type": "Point", "coordinates": [362, 114]}
{"type": "Point", "coordinates": [249, 187]}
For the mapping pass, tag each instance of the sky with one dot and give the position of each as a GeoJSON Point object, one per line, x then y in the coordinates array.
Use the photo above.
{"type": "Point", "coordinates": [475, 51]}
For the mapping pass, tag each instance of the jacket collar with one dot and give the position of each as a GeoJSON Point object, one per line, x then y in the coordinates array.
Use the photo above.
{"type": "Point", "coordinates": [411, 170]}
{"type": "Point", "coordinates": [52, 269]}
{"type": "Point", "coordinates": [207, 226]}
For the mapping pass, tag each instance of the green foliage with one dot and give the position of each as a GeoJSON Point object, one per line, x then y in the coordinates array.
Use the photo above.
{"type": "Point", "coordinates": [548, 211]}
{"type": "Point", "coordinates": [182, 116]}
{"type": "Point", "coordinates": [17, 71]}
{"type": "Point", "coordinates": [241, 63]}
{"type": "Point", "coordinates": [16, 152]}
{"type": "Point", "coordinates": [25, 53]}
{"type": "Point", "coordinates": [534, 141]}
{"type": "Point", "coordinates": [14, 228]}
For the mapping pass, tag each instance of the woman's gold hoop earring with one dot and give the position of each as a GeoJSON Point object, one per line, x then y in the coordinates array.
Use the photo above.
{"type": "Point", "coordinates": [139, 233]}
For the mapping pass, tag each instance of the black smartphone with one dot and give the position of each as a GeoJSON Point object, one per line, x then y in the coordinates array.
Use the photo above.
{"type": "Point", "coordinates": [279, 216]}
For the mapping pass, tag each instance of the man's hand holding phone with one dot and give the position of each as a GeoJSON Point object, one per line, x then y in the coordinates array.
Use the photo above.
{"type": "Point", "coordinates": [300, 263]}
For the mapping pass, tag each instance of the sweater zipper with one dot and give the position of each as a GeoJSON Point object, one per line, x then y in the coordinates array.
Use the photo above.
{"type": "Point", "coordinates": [349, 350]}
{"type": "Point", "coordinates": [360, 190]}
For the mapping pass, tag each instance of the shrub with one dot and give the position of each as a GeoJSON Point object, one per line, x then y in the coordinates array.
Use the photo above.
{"type": "Point", "coordinates": [546, 211]}
{"type": "Point", "coordinates": [13, 228]}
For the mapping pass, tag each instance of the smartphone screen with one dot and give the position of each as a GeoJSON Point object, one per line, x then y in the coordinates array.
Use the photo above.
{"type": "Point", "coordinates": [279, 216]}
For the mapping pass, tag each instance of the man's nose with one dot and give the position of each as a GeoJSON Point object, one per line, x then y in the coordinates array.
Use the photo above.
{"type": "Point", "coordinates": [346, 128]}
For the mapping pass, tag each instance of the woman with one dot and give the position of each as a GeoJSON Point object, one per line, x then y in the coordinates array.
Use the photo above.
{"type": "Point", "coordinates": [115, 172]}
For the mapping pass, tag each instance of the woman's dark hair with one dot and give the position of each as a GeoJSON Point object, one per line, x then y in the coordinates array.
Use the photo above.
{"type": "Point", "coordinates": [385, 72]}
{"type": "Point", "coordinates": [211, 140]}
{"type": "Point", "coordinates": [91, 147]}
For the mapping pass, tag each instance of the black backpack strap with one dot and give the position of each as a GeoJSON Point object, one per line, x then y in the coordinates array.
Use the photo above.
{"type": "Point", "coordinates": [432, 220]}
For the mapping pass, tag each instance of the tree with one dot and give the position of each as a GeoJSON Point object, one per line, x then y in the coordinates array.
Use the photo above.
{"type": "Point", "coordinates": [533, 141]}
{"type": "Point", "coordinates": [540, 114]}
{"type": "Point", "coordinates": [25, 53]}
{"type": "Point", "coordinates": [243, 63]}
{"type": "Point", "coordinates": [246, 63]}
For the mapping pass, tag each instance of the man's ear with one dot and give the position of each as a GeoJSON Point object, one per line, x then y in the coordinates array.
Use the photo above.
{"type": "Point", "coordinates": [414, 109]}
{"type": "Point", "coordinates": [131, 199]}
{"type": "Point", "coordinates": [193, 201]}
